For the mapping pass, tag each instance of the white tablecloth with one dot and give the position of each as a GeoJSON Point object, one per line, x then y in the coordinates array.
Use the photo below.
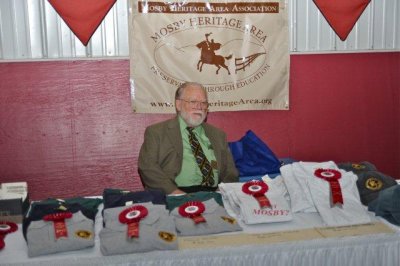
{"type": "Point", "coordinates": [374, 250]}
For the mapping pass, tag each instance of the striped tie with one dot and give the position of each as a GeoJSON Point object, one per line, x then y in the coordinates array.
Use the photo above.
{"type": "Point", "coordinates": [201, 159]}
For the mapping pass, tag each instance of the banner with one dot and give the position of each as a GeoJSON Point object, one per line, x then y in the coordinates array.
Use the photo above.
{"type": "Point", "coordinates": [237, 49]}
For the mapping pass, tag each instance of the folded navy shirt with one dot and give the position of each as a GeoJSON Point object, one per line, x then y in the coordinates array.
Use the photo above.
{"type": "Point", "coordinates": [371, 183]}
{"type": "Point", "coordinates": [357, 167]}
{"type": "Point", "coordinates": [118, 197]}
{"type": "Point", "coordinates": [387, 205]}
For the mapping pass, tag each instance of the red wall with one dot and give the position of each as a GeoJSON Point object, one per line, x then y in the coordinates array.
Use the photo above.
{"type": "Point", "coordinates": [66, 127]}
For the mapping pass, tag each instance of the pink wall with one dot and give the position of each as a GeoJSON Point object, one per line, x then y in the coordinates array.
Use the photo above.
{"type": "Point", "coordinates": [67, 128]}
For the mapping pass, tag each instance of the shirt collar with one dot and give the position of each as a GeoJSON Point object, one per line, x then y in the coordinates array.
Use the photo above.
{"type": "Point", "coordinates": [182, 125]}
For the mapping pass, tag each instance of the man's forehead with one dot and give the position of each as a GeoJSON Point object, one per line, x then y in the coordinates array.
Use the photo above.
{"type": "Point", "coordinates": [194, 91]}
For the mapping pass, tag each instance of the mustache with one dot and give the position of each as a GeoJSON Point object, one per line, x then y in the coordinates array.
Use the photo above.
{"type": "Point", "coordinates": [199, 112]}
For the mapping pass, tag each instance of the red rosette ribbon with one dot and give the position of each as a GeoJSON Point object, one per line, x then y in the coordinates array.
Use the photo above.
{"type": "Point", "coordinates": [132, 216]}
{"type": "Point", "coordinates": [332, 176]}
{"type": "Point", "coordinates": [257, 189]}
{"type": "Point", "coordinates": [193, 210]}
{"type": "Point", "coordinates": [58, 219]}
{"type": "Point", "coordinates": [6, 228]}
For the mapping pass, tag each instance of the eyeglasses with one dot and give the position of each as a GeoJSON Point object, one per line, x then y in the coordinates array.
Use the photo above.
{"type": "Point", "coordinates": [203, 105]}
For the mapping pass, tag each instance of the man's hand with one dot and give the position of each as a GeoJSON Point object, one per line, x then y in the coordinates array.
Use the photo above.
{"type": "Point", "coordinates": [177, 192]}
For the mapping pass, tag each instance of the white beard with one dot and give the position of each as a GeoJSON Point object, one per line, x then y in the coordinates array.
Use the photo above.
{"type": "Point", "coordinates": [193, 122]}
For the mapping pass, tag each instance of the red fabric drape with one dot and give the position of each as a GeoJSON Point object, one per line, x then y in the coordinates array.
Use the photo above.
{"type": "Point", "coordinates": [82, 16]}
{"type": "Point", "coordinates": [342, 14]}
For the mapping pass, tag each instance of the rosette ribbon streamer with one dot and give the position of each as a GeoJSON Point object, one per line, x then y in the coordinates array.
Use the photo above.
{"type": "Point", "coordinates": [132, 216]}
{"type": "Point", "coordinates": [6, 228]}
{"type": "Point", "coordinates": [257, 189]}
{"type": "Point", "coordinates": [193, 210]}
{"type": "Point", "coordinates": [58, 219]}
{"type": "Point", "coordinates": [332, 176]}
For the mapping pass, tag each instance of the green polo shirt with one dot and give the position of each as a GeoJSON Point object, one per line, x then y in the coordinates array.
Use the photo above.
{"type": "Point", "coordinates": [190, 174]}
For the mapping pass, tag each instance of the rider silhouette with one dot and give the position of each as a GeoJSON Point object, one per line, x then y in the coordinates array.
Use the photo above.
{"type": "Point", "coordinates": [211, 47]}
{"type": "Point", "coordinates": [208, 55]}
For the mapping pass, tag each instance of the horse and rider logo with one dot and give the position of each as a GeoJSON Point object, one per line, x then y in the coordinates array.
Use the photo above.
{"type": "Point", "coordinates": [208, 56]}
{"type": "Point", "coordinates": [203, 55]}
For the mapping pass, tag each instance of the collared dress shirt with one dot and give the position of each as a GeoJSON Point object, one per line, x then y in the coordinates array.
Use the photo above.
{"type": "Point", "coordinates": [190, 174]}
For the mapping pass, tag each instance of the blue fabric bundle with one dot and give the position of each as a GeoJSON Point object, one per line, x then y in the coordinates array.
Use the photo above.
{"type": "Point", "coordinates": [253, 157]}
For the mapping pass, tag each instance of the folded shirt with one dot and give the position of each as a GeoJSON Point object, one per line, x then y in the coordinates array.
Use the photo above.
{"type": "Point", "coordinates": [370, 183]}
{"type": "Point", "coordinates": [357, 167]}
{"type": "Point", "coordinates": [248, 208]}
{"type": "Point", "coordinates": [156, 231]}
{"type": "Point", "coordinates": [118, 197]}
{"type": "Point", "coordinates": [42, 240]}
{"type": "Point", "coordinates": [174, 201]}
{"type": "Point", "coordinates": [217, 220]}
{"type": "Point", "coordinates": [350, 212]}
{"type": "Point", "coordinates": [297, 186]}
{"type": "Point", "coordinates": [77, 229]}
{"type": "Point", "coordinates": [309, 192]}
{"type": "Point", "coordinates": [387, 205]}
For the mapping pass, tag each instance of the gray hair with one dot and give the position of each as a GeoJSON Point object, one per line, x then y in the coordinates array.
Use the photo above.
{"type": "Point", "coordinates": [184, 85]}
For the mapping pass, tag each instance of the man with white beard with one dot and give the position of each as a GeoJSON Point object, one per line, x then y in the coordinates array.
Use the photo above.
{"type": "Point", "coordinates": [185, 154]}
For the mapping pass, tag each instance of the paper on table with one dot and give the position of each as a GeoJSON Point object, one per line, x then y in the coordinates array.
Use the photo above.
{"type": "Point", "coordinates": [14, 190]}
{"type": "Point", "coordinates": [283, 236]}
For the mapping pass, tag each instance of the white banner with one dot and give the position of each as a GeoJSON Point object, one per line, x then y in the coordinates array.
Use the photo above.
{"type": "Point", "coordinates": [237, 49]}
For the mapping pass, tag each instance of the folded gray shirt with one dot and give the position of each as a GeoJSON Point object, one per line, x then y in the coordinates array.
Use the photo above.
{"type": "Point", "coordinates": [217, 221]}
{"type": "Point", "coordinates": [41, 238]}
{"type": "Point", "coordinates": [156, 231]}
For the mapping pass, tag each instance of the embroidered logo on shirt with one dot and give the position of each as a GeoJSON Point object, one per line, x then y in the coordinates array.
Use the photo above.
{"type": "Point", "coordinates": [83, 234]}
{"type": "Point", "coordinates": [228, 219]}
{"type": "Point", "coordinates": [373, 183]}
{"type": "Point", "coordinates": [358, 166]}
{"type": "Point", "coordinates": [167, 236]}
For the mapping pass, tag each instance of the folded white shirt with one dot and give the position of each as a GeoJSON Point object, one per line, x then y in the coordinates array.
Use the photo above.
{"type": "Point", "coordinates": [248, 208]}
{"type": "Point", "coordinates": [350, 212]}
{"type": "Point", "coordinates": [297, 186]}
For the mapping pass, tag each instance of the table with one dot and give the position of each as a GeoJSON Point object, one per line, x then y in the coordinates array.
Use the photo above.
{"type": "Point", "coordinates": [380, 249]}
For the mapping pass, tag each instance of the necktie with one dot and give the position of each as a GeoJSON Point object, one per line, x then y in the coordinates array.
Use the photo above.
{"type": "Point", "coordinates": [201, 159]}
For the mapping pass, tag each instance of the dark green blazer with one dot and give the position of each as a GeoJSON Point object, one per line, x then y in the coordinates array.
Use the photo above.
{"type": "Point", "coordinates": [160, 157]}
